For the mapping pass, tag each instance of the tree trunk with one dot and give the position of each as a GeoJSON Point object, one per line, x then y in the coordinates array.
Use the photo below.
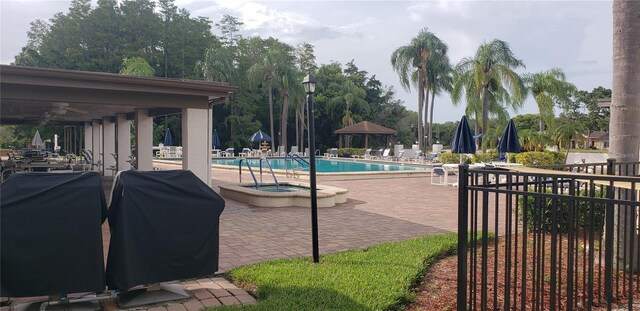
{"type": "Point", "coordinates": [433, 97]}
{"type": "Point", "coordinates": [273, 137]}
{"type": "Point", "coordinates": [420, 104]}
{"type": "Point", "coordinates": [624, 127]}
{"type": "Point", "coordinates": [426, 117]}
{"type": "Point", "coordinates": [283, 121]}
{"type": "Point", "coordinates": [541, 123]}
{"type": "Point", "coordinates": [485, 113]}
{"type": "Point", "coordinates": [297, 126]}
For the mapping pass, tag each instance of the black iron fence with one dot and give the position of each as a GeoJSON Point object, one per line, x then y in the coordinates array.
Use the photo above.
{"type": "Point", "coordinates": [547, 240]}
{"type": "Point", "coordinates": [619, 168]}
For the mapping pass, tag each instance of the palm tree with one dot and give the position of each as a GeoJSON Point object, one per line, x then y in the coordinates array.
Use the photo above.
{"type": "Point", "coordinates": [267, 72]}
{"type": "Point", "coordinates": [440, 76]}
{"type": "Point", "coordinates": [287, 91]}
{"type": "Point", "coordinates": [548, 88]}
{"type": "Point", "coordinates": [564, 132]}
{"type": "Point", "coordinates": [416, 56]}
{"type": "Point", "coordinates": [624, 128]}
{"type": "Point", "coordinates": [491, 70]}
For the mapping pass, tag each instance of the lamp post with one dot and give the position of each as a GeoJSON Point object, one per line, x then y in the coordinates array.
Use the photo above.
{"type": "Point", "coordinates": [309, 84]}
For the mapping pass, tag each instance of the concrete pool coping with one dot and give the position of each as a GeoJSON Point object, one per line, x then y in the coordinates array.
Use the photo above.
{"type": "Point", "coordinates": [329, 176]}
{"type": "Point", "coordinates": [327, 196]}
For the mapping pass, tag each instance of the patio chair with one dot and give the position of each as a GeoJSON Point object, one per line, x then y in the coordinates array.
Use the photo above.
{"type": "Point", "coordinates": [246, 152]}
{"type": "Point", "coordinates": [440, 176]}
{"type": "Point", "coordinates": [407, 155]}
{"type": "Point", "coordinates": [367, 154]}
{"type": "Point", "coordinates": [333, 153]}
{"type": "Point", "coordinates": [282, 151]}
{"type": "Point", "coordinates": [385, 154]}
{"type": "Point", "coordinates": [294, 150]}
{"type": "Point", "coordinates": [306, 152]}
{"type": "Point", "coordinates": [89, 163]}
{"type": "Point", "coordinates": [229, 152]}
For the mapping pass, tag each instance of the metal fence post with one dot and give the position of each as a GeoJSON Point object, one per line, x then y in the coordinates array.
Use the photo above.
{"type": "Point", "coordinates": [611, 166]}
{"type": "Point", "coordinates": [463, 235]}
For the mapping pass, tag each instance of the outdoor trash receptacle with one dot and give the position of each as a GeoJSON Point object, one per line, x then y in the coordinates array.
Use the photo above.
{"type": "Point", "coordinates": [164, 227]}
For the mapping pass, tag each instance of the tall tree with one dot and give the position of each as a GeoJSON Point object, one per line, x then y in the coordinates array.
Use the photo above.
{"type": "Point", "coordinates": [624, 127]}
{"type": "Point", "coordinates": [548, 89]}
{"type": "Point", "coordinates": [415, 56]}
{"type": "Point", "coordinates": [306, 62]}
{"type": "Point", "coordinates": [493, 69]}
{"type": "Point", "coordinates": [440, 75]}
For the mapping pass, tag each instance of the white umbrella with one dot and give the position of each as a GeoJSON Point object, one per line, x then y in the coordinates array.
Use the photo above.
{"type": "Point", "coordinates": [37, 140]}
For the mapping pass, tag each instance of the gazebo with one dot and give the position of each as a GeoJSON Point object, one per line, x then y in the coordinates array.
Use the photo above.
{"type": "Point", "coordinates": [365, 128]}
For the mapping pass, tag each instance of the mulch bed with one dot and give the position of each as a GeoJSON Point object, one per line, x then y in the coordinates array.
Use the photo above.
{"type": "Point", "coordinates": [439, 289]}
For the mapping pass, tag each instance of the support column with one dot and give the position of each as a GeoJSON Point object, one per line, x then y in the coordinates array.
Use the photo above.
{"type": "Point", "coordinates": [196, 142]}
{"type": "Point", "coordinates": [88, 136]}
{"type": "Point", "coordinates": [144, 140]}
{"type": "Point", "coordinates": [96, 146]}
{"type": "Point", "coordinates": [123, 141]}
{"type": "Point", "coordinates": [108, 144]}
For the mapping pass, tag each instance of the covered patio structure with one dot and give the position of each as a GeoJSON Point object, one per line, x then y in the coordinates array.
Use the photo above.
{"type": "Point", "coordinates": [365, 128]}
{"type": "Point", "coordinates": [104, 104]}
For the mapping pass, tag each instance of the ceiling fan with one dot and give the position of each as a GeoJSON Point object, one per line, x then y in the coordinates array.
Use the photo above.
{"type": "Point", "coordinates": [62, 108]}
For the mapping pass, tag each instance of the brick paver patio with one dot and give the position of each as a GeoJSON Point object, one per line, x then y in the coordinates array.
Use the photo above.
{"type": "Point", "coordinates": [377, 210]}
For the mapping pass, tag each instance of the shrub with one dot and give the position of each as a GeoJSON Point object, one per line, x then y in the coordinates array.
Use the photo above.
{"type": "Point", "coordinates": [540, 158]}
{"type": "Point", "coordinates": [539, 212]}
{"type": "Point", "coordinates": [485, 157]}
{"type": "Point", "coordinates": [351, 151]}
{"type": "Point", "coordinates": [447, 157]}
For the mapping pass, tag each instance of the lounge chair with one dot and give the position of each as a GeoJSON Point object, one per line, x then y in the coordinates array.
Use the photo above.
{"type": "Point", "coordinates": [246, 152]}
{"type": "Point", "coordinates": [306, 152]}
{"type": "Point", "coordinates": [440, 175]}
{"type": "Point", "coordinates": [89, 163]}
{"type": "Point", "coordinates": [378, 154]}
{"type": "Point", "coordinates": [367, 154]}
{"type": "Point", "coordinates": [294, 150]}
{"type": "Point", "coordinates": [282, 151]}
{"type": "Point", "coordinates": [407, 155]}
{"type": "Point", "coordinates": [230, 152]}
{"type": "Point", "coordinates": [385, 154]}
{"type": "Point", "coordinates": [333, 153]}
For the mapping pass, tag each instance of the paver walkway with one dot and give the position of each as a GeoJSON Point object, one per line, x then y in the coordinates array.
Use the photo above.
{"type": "Point", "coordinates": [377, 210]}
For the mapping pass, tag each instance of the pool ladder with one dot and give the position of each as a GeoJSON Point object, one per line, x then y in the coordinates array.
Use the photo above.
{"type": "Point", "coordinates": [253, 175]}
{"type": "Point", "coordinates": [298, 159]}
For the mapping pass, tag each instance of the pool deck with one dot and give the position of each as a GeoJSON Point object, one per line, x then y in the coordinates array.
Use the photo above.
{"type": "Point", "coordinates": [377, 210]}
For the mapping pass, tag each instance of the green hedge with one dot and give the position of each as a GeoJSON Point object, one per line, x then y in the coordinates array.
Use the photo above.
{"type": "Point", "coordinates": [348, 152]}
{"type": "Point", "coordinates": [540, 158]}
{"type": "Point", "coordinates": [487, 157]}
{"type": "Point", "coordinates": [448, 158]}
{"type": "Point", "coordinates": [539, 212]}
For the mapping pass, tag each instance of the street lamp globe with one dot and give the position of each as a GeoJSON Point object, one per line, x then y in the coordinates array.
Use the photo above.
{"type": "Point", "coordinates": [309, 84]}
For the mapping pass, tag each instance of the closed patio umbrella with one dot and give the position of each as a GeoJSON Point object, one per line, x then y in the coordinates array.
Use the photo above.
{"type": "Point", "coordinates": [37, 142]}
{"type": "Point", "coordinates": [168, 139]}
{"type": "Point", "coordinates": [463, 139]}
{"type": "Point", "coordinates": [215, 140]}
{"type": "Point", "coordinates": [509, 140]}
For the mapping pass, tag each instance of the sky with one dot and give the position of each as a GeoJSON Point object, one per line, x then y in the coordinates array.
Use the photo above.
{"type": "Point", "coordinates": [575, 36]}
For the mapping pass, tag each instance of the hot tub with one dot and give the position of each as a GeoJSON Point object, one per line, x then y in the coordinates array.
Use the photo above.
{"type": "Point", "coordinates": [285, 195]}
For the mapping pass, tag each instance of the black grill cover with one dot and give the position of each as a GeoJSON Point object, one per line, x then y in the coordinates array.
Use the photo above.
{"type": "Point", "coordinates": [164, 227]}
{"type": "Point", "coordinates": [50, 234]}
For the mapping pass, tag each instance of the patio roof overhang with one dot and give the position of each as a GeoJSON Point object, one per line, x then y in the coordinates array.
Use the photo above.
{"type": "Point", "coordinates": [27, 94]}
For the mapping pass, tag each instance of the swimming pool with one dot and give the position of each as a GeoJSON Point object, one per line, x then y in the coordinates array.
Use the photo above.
{"type": "Point", "coordinates": [324, 165]}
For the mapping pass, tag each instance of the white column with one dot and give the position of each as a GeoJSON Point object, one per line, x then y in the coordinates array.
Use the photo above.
{"type": "Point", "coordinates": [196, 142]}
{"type": "Point", "coordinates": [108, 144]}
{"type": "Point", "coordinates": [96, 148]}
{"type": "Point", "coordinates": [88, 136]}
{"type": "Point", "coordinates": [123, 141]}
{"type": "Point", "coordinates": [144, 140]}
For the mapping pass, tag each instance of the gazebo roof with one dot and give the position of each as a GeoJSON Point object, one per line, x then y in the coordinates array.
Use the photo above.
{"type": "Point", "coordinates": [366, 127]}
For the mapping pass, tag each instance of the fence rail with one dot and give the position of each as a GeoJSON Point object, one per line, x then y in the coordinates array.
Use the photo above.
{"type": "Point", "coordinates": [547, 241]}
{"type": "Point", "coordinates": [619, 168]}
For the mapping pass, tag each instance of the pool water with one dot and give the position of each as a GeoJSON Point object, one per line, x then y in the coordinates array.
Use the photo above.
{"type": "Point", "coordinates": [323, 165]}
{"type": "Point", "coordinates": [283, 188]}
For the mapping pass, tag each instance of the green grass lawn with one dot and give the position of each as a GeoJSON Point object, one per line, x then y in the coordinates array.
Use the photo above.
{"type": "Point", "coordinates": [381, 277]}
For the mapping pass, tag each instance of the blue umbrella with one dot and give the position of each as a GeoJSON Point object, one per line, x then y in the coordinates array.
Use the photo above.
{"type": "Point", "coordinates": [215, 141]}
{"type": "Point", "coordinates": [259, 136]}
{"type": "Point", "coordinates": [463, 139]}
{"type": "Point", "coordinates": [509, 140]}
{"type": "Point", "coordinates": [168, 140]}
